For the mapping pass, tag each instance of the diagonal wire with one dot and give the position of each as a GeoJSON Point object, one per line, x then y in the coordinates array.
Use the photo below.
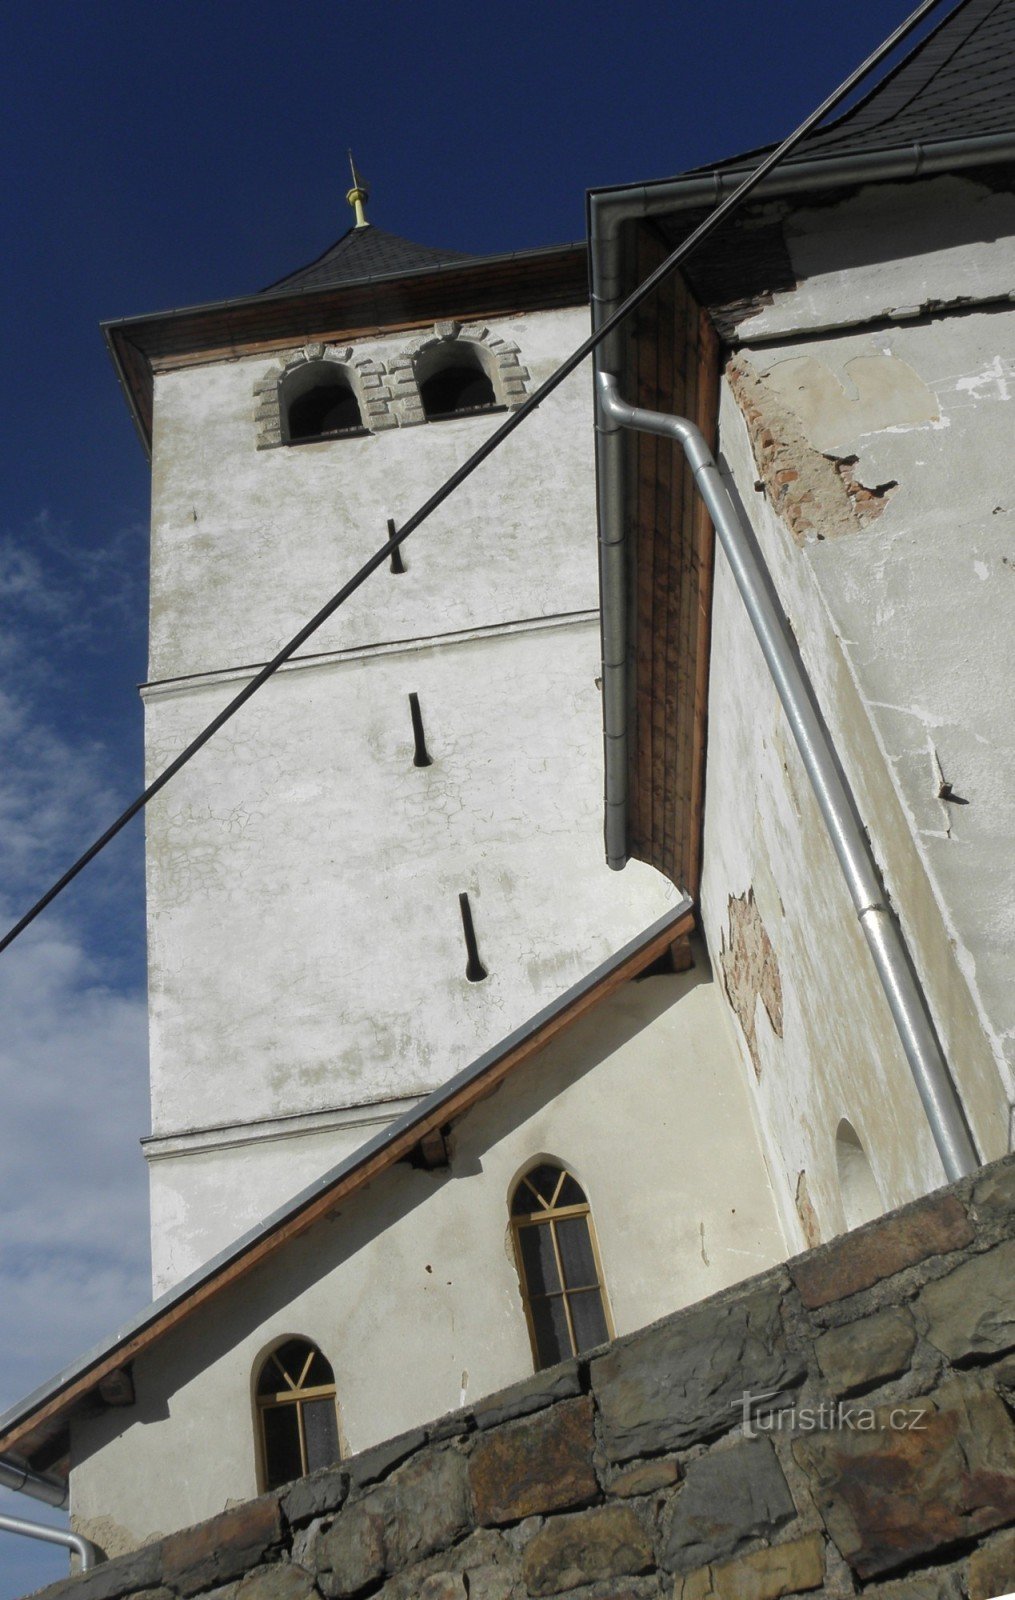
{"type": "Point", "coordinates": [468, 467]}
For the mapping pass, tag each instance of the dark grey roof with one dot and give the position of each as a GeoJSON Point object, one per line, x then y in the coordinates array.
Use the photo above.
{"type": "Point", "coordinates": [365, 253]}
{"type": "Point", "coordinates": [957, 83]}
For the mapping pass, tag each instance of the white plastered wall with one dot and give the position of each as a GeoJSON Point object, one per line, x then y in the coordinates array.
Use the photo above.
{"type": "Point", "coordinates": [306, 954]}
{"type": "Point", "coordinates": [643, 1100]}
{"type": "Point", "coordinates": [906, 626]}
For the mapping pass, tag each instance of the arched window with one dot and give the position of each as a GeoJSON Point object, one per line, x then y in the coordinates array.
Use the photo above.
{"type": "Point", "coordinates": [453, 382]}
{"type": "Point", "coordinates": [558, 1264]}
{"type": "Point", "coordinates": [318, 402]}
{"type": "Point", "coordinates": [296, 1412]}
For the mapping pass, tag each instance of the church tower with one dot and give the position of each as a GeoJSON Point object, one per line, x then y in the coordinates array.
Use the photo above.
{"type": "Point", "coordinates": [392, 856]}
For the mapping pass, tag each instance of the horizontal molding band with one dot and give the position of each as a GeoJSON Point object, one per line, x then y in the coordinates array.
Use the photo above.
{"type": "Point", "coordinates": [197, 680]}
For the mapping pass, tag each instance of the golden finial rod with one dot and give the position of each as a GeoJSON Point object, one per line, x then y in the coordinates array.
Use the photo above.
{"type": "Point", "coordinates": [358, 195]}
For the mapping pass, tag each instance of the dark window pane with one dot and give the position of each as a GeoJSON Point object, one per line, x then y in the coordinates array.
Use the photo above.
{"type": "Point", "coordinates": [575, 1244]}
{"type": "Point", "coordinates": [320, 1429]}
{"type": "Point", "coordinates": [524, 1201]}
{"type": "Point", "coordinates": [571, 1193]}
{"type": "Point", "coordinates": [291, 1358]}
{"type": "Point", "coordinates": [538, 1259]}
{"type": "Point", "coordinates": [282, 1460]}
{"type": "Point", "coordinates": [544, 1180]}
{"type": "Point", "coordinates": [319, 1373]}
{"type": "Point", "coordinates": [553, 1342]}
{"type": "Point", "coordinates": [589, 1319]}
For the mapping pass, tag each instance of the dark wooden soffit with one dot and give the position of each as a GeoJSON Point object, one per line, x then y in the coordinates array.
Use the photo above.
{"type": "Point", "coordinates": [39, 1433]}
{"type": "Point", "coordinates": [672, 365]}
{"type": "Point", "coordinates": [499, 286]}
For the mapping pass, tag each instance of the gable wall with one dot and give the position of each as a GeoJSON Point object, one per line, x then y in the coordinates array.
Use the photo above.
{"type": "Point", "coordinates": [411, 1290]}
{"type": "Point", "coordinates": [868, 441]}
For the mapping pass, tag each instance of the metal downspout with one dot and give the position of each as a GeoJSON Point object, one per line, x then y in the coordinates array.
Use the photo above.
{"type": "Point", "coordinates": [881, 929]}
{"type": "Point", "coordinates": [39, 1530]}
{"type": "Point", "coordinates": [608, 210]}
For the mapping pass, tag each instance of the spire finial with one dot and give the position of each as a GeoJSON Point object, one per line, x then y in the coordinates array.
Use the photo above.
{"type": "Point", "coordinates": [358, 195]}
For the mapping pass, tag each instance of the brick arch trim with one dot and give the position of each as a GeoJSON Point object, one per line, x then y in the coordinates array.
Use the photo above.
{"type": "Point", "coordinates": [502, 361]}
{"type": "Point", "coordinates": [366, 375]}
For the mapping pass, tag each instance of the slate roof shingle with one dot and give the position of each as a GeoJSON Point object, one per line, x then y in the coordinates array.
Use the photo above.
{"type": "Point", "coordinates": [365, 253]}
{"type": "Point", "coordinates": [957, 83]}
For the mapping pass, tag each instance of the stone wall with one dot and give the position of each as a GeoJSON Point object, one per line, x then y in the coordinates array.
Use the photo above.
{"type": "Point", "coordinates": [878, 1456]}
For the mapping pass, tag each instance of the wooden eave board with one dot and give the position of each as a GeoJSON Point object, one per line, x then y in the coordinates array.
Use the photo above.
{"type": "Point", "coordinates": [671, 365]}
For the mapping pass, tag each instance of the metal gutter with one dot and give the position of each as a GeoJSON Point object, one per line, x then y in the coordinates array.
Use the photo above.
{"type": "Point", "coordinates": [39, 1530]}
{"type": "Point", "coordinates": [838, 808]}
{"type": "Point", "coordinates": [23, 1479]}
{"type": "Point", "coordinates": [425, 1111]}
{"type": "Point", "coordinates": [608, 210]}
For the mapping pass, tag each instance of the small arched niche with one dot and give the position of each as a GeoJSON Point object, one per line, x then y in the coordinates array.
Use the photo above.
{"type": "Point", "coordinates": [453, 381]}
{"type": "Point", "coordinates": [861, 1201]}
{"type": "Point", "coordinates": [319, 402]}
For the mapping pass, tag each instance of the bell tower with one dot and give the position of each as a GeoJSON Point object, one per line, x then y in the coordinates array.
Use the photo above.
{"type": "Point", "coordinates": [392, 856]}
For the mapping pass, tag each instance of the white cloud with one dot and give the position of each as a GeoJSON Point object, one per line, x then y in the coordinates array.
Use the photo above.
{"type": "Point", "coordinates": [73, 1058]}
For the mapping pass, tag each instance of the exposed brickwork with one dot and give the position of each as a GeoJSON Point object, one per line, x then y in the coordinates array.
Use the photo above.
{"type": "Point", "coordinates": [750, 971]}
{"type": "Point", "coordinates": [818, 496]}
{"type": "Point", "coordinates": [878, 1453]}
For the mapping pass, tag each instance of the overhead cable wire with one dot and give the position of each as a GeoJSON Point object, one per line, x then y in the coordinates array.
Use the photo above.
{"type": "Point", "coordinates": [486, 449]}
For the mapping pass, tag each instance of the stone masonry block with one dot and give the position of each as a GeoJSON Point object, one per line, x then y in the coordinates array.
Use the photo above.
{"type": "Point", "coordinates": [382, 1458]}
{"type": "Point", "coordinates": [532, 1394]}
{"type": "Point", "coordinates": [541, 1464]}
{"type": "Point", "coordinates": [606, 1542]}
{"type": "Point", "coordinates": [768, 1574]}
{"type": "Point", "coordinates": [350, 1556]}
{"type": "Point", "coordinates": [857, 1260]}
{"type": "Point", "coordinates": [867, 1351]}
{"type": "Point", "coordinates": [274, 1583]}
{"type": "Point", "coordinates": [645, 1477]}
{"type": "Point", "coordinates": [992, 1568]}
{"type": "Point", "coordinates": [682, 1380]}
{"type": "Point", "coordinates": [923, 1476]}
{"type": "Point", "coordinates": [227, 1546]}
{"type": "Point", "coordinates": [971, 1312]}
{"type": "Point", "coordinates": [123, 1576]}
{"type": "Point", "coordinates": [421, 1509]}
{"type": "Point", "coordinates": [729, 1497]}
{"type": "Point", "coordinates": [428, 1507]}
{"type": "Point", "coordinates": [994, 1195]}
{"type": "Point", "coordinates": [316, 1496]}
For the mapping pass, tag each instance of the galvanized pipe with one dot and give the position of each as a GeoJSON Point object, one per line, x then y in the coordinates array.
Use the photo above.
{"type": "Point", "coordinates": [38, 1530]}
{"type": "Point", "coordinates": [23, 1479]}
{"type": "Point", "coordinates": [838, 809]}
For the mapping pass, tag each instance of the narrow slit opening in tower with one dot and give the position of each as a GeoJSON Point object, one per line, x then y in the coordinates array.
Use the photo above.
{"type": "Point", "coordinates": [474, 969]}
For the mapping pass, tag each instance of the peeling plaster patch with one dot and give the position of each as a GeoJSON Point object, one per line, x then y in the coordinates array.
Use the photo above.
{"type": "Point", "coordinates": [990, 384]}
{"type": "Point", "coordinates": [806, 1212]}
{"type": "Point", "coordinates": [879, 392]}
{"type": "Point", "coordinates": [818, 496]}
{"type": "Point", "coordinates": [750, 971]}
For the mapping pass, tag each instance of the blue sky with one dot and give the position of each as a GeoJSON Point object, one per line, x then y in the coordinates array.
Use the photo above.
{"type": "Point", "coordinates": [159, 156]}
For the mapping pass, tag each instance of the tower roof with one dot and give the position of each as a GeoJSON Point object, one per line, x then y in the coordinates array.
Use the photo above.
{"type": "Point", "coordinates": [957, 83]}
{"type": "Point", "coordinates": [365, 252]}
